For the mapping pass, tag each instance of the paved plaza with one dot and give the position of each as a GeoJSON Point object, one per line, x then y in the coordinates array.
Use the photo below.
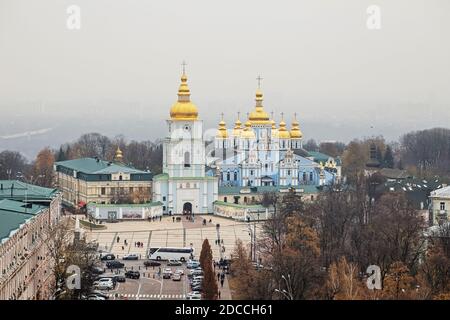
{"type": "Point", "coordinates": [168, 233]}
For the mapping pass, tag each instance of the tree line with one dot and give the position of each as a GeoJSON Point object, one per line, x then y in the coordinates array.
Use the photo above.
{"type": "Point", "coordinates": [143, 155]}
{"type": "Point", "coordinates": [322, 249]}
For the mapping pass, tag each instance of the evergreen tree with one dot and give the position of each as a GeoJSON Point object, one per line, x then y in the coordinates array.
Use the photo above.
{"type": "Point", "coordinates": [388, 161]}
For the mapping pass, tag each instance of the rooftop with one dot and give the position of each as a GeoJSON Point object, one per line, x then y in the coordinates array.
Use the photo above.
{"type": "Point", "coordinates": [441, 193]}
{"type": "Point", "coordinates": [96, 166]}
{"type": "Point", "coordinates": [13, 214]}
{"type": "Point", "coordinates": [18, 190]}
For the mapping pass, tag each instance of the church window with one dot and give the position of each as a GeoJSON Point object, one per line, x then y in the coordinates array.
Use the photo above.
{"type": "Point", "coordinates": [187, 160]}
{"type": "Point", "coordinates": [235, 176]}
{"type": "Point", "coordinates": [164, 198]}
{"type": "Point", "coordinates": [310, 176]}
{"type": "Point", "coordinates": [304, 176]}
{"type": "Point", "coordinates": [289, 172]}
{"type": "Point", "coordinates": [228, 176]}
{"type": "Point", "coordinates": [245, 199]}
{"type": "Point", "coordinates": [236, 200]}
{"type": "Point", "coordinates": [251, 172]}
{"type": "Point", "coordinates": [120, 177]}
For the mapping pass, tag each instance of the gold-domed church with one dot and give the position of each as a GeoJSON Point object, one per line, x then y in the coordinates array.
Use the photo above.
{"type": "Point", "coordinates": [264, 156]}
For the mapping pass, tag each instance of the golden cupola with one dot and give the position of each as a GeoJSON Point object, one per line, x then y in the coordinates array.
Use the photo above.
{"type": "Point", "coordinates": [274, 130]}
{"type": "Point", "coordinates": [184, 109]}
{"type": "Point", "coordinates": [222, 130]}
{"type": "Point", "coordinates": [118, 157]}
{"type": "Point", "coordinates": [295, 131]}
{"type": "Point", "coordinates": [237, 130]}
{"type": "Point", "coordinates": [248, 132]}
{"type": "Point", "coordinates": [283, 133]}
{"type": "Point", "coordinates": [259, 116]}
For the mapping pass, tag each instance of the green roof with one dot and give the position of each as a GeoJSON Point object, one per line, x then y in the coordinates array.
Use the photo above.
{"type": "Point", "coordinates": [13, 214]}
{"type": "Point", "coordinates": [94, 166]}
{"type": "Point", "coordinates": [21, 191]}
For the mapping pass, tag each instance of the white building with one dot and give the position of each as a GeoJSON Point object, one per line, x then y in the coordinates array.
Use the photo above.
{"type": "Point", "coordinates": [184, 187]}
{"type": "Point", "coordinates": [440, 206]}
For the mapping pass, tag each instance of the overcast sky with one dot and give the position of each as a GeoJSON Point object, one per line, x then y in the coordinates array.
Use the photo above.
{"type": "Point", "coordinates": [119, 73]}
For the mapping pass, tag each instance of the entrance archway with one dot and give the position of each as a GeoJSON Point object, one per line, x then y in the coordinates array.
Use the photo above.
{"type": "Point", "coordinates": [187, 208]}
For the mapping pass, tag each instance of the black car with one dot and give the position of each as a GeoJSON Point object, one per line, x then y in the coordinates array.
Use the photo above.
{"type": "Point", "coordinates": [120, 278]}
{"type": "Point", "coordinates": [114, 264]}
{"type": "Point", "coordinates": [133, 274]}
{"type": "Point", "coordinates": [151, 263]}
{"type": "Point", "coordinates": [108, 256]}
{"type": "Point", "coordinates": [97, 270]}
{"type": "Point", "coordinates": [197, 288]}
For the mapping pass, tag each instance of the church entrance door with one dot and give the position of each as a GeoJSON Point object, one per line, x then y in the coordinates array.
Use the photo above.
{"type": "Point", "coordinates": [187, 208]}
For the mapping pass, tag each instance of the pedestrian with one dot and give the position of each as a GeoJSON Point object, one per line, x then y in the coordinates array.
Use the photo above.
{"type": "Point", "coordinates": [221, 282]}
{"type": "Point", "coordinates": [123, 248]}
{"type": "Point", "coordinates": [222, 241]}
{"type": "Point", "coordinates": [219, 294]}
{"type": "Point", "coordinates": [160, 218]}
{"type": "Point", "coordinates": [118, 239]}
{"type": "Point", "coordinates": [218, 276]}
{"type": "Point", "coordinates": [173, 219]}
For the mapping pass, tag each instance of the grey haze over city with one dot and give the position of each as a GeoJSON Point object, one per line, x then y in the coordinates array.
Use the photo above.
{"type": "Point", "coordinates": [119, 74]}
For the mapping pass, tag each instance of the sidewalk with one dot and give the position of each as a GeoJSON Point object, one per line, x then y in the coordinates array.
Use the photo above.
{"type": "Point", "coordinates": [225, 292]}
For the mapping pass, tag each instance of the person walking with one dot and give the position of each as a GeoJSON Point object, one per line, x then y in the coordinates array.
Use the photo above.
{"type": "Point", "coordinates": [219, 294]}
{"type": "Point", "coordinates": [218, 276]}
{"type": "Point", "coordinates": [173, 219]}
{"type": "Point", "coordinates": [221, 282]}
{"type": "Point", "coordinates": [118, 239]}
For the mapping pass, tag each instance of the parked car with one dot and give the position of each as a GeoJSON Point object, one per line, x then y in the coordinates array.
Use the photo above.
{"type": "Point", "coordinates": [120, 278]}
{"type": "Point", "coordinates": [98, 293]}
{"type": "Point", "coordinates": [195, 272]}
{"type": "Point", "coordinates": [131, 256]}
{"type": "Point", "coordinates": [104, 284]}
{"type": "Point", "coordinates": [194, 295]}
{"type": "Point", "coordinates": [97, 270]}
{"type": "Point", "coordinates": [133, 274]}
{"type": "Point", "coordinates": [192, 264]}
{"type": "Point", "coordinates": [173, 262]}
{"type": "Point", "coordinates": [152, 263]}
{"type": "Point", "coordinates": [180, 271]}
{"type": "Point", "coordinates": [114, 264]}
{"type": "Point", "coordinates": [176, 277]}
{"type": "Point", "coordinates": [107, 256]}
{"type": "Point", "coordinates": [95, 297]}
{"type": "Point", "coordinates": [197, 288]}
{"type": "Point", "coordinates": [167, 274]}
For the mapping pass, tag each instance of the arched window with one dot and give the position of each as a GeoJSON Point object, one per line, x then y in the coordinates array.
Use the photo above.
{"type": "Point", "coordinates": [245, 199]}
{"type": "Point", "coordinates": [235, 176]}
{"type": "Point", "coordinates": [228, 176]}
{"type": "Point", "coordinates": [187, 160]}
{"type": "Point", "coordinates": [120, 177]}
{"type": "Point", "coordinates": [225, 199]}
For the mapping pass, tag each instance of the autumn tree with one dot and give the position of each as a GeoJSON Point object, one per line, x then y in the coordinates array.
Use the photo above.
{"type": "Point", "coordinates": [343, 282]}
{"type": "Point", "coordinates": [42, 172]}
{"type": "Point", "coordinates": [12, 164]}
{"type": "Point", "coordinates": [209, 285]}
{"type": "Point", "coordinates": [398, 283]}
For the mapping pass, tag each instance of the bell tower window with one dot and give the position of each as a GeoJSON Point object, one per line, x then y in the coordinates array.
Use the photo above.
{"type": "Point", "coordinates": [187, 160]}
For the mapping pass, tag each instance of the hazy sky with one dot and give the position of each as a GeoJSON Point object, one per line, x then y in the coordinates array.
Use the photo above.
{"type": "Point", "coordinates": [119, 73]}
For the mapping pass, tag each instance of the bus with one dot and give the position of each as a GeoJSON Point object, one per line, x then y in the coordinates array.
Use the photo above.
{"type": "Point", "coordinates": [166, 253]}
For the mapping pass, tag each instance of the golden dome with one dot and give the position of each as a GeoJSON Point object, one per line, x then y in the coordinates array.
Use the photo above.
{"type": "Point", "coordinates": [237, 128]}
{"type": "Point", "coordinates": [295, 131]}
{"type": "Point", "coordinates": [222, 131]}
{"type": "Point", "coordinates": [248, 132]}
{"type": "Point", "coordinates": [283, 133]}
{"type": "Point", "coordinates": [259, 116]}
{"type": "Point", "coordinates": [274, 130]}
{"type": "Point", "coordinates": [184, 109]}
{"type": "Point", "coordinates": [118, 156]}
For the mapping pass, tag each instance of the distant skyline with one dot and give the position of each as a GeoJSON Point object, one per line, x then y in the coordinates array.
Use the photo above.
{"type": "Point", "coordinates": [119, 74]}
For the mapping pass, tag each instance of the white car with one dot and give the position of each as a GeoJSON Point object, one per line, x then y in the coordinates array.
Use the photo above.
{"type": "Point", "coordinates": [194, 295]}
{"type": "Point", "coordinates": [180, 271]}
{"type": "Point", "coordinates": [131, 256]}
{"type": "Point", "coordinates": [193, 264]}
{"type": "Point", "coordinates": [104, 284]}
{"type": "Point", "coordinates": [176, 277]}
